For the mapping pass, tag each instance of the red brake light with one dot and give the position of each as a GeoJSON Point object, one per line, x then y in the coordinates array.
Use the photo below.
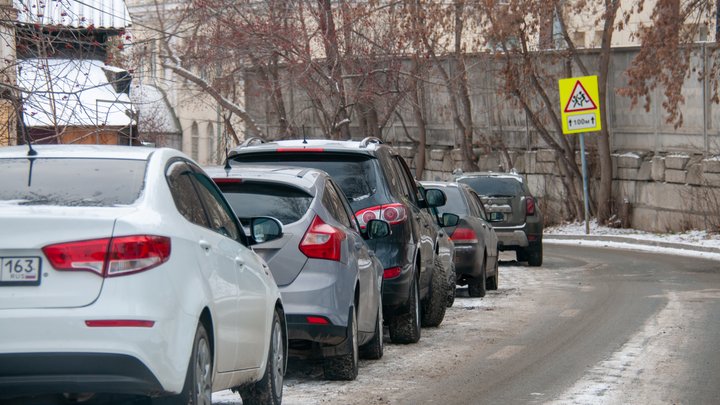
{"type": "Point", "coordinates": [317, 320]}
{"type": "Point", "coordinates": [392, 213]}
{"type": "Point", "coordinates": [392, 272]}
{"type": "Point", "coordinates": [322, 241]}
{"type": "Point", "coordinates": [227, 181]}
{"type": "Point", "coordinates": [299, 149]}
{"type": "Point", "coordinates": [464, 235]}
{"type": "Point", "coordinates": [110, 257]}
{"type": "Point", "coordinates": [530, 206]}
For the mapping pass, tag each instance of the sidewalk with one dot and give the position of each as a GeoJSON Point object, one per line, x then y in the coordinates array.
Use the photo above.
{"type": "Point", "coordinates": [691, 241]}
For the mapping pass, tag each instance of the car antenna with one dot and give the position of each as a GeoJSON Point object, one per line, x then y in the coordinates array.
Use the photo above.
{"type": "Point", "coordinates": [227, 163]}
{"type": "Point", "coordinates": [31, 151]}
{"type": "Point", "coordinates": [304, 140]}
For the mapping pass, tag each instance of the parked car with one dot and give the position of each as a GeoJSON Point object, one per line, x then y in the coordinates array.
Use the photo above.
{"type": "Point", "coordinates": [476, 244]}
{"type": "Point", "coordinates": [522, 228]}
{"type": "Point", "coordinates": [126, 275]}
{"type": "Point", "coordinates": [378, 184]}
{"type": "Point", "coordinates": [444, 245]}
{"type": "Point", "coordinates": [331, 282]}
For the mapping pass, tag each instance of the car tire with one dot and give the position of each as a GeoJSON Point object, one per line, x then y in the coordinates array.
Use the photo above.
{"type": "Point", "coordinates": [476, 286]}
{"type": "Point", "coordinates": [535, 256]}
{"type": "Point", "coordinates": [268, 391]}
{"type": "Point", "coordinates": [197, 389]}
{"type": "Point", "coordinates": [373, 350]}
{"type": "Point", "coordinates": [345, 367]}
{"type": "Point", "coordinates": [405, 328]}
{"type": "Point", "coordinates": [452, 288]}
{"type": "Point", "coordinates": [433, 309]}
{"type": "Point", "coordinates": [491, 283]}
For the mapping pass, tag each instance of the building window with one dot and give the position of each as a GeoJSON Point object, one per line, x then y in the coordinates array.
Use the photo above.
{"type": "Point", "coordinates": [578, 39]}
{"type": "Point", "coordinates": [210, 148]}
{"type": "Point", "coordinates": [195, 141]}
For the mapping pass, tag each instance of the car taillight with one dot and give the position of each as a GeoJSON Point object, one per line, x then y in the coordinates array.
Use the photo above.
{"type": "Point", "coordinates": [110, 257]}
{"type": "Point", "coordinates": [464, 235]}
{"type": "Point", "coordinates": [322, 241]}
{"type": "Point", "coordinates": [227, 181]}
{"type": "Point", "coordinates": [392, 213]}
{"type": "Point", "coordinates": [530, 206]}
{"type": "Point", "coordinates": [392, 272]}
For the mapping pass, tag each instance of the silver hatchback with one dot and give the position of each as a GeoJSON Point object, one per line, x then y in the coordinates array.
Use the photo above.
{"type": "Point", "coordinates": [331, 283]}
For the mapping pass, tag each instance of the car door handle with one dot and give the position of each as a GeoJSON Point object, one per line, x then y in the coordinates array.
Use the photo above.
{"type": "Point", "coordinates": [358, 246]}
{"type": "Point", "coordinates": [205, 245]}
{"type": "Point", "coordinates": [371, 253]}
{"type": "Point", "coordinates": [484, 226]}
{"type": "Point", "coordinates": [239, 260]}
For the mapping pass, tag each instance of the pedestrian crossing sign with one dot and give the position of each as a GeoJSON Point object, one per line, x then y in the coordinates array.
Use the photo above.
{"type": "Point", "coordinates": [579, 103]}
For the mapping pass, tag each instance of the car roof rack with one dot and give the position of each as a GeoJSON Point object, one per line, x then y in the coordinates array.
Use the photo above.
{"type": "Point", "coordinates": [370, 139]}
{"type": "Point", "coordinates": [251, 140]}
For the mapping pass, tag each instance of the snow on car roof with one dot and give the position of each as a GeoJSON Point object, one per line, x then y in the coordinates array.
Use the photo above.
{"type": "Point", "coordinates": [299, 176]}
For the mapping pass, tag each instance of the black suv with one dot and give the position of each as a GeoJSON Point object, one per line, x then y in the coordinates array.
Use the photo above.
{"type": "Point", "coordinates": [378, 184]}
{"type": "Point", "coordinates": [522, 227]}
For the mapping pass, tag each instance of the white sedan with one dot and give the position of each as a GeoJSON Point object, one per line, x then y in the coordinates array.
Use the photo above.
{"type": "Point", "coordinates": [125, 275]}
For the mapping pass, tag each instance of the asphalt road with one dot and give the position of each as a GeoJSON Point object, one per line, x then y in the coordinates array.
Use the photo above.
{"type": "Point", "coordinates": [591, 326]}
{"type": "Point", "coordinates": [641, 328]}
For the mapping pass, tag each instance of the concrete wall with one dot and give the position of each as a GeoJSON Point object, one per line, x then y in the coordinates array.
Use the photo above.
{"type": "Point", "coordinates": [660, 170]}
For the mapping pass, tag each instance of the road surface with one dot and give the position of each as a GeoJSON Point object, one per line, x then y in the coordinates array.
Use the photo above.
{"type": "Point", "coordinates": [591, 326]}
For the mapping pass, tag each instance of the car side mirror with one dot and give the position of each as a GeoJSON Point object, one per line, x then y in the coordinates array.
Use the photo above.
{"type": "Point", "coordinates": [496, 217]}
{"type": "Point", "coordinates": [265, 229]}
{"type": "Point", "coordinates": [435, 198]}
{"type": "Point", "coordinates": [377, 228]}
{"type": "Point", "coordinates": [450, 220]}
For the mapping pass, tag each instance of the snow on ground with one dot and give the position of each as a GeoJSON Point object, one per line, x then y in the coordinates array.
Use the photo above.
{"type": "Point", "coordinates": [695, 237]}
{"type": "Point", "coordinates": [630, 245]}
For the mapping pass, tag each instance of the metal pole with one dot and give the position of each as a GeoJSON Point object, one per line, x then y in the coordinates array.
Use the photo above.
{"type": "Point", "coordinates": [585, 185]}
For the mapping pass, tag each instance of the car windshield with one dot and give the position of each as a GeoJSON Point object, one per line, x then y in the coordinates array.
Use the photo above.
{"type": "Point", "coordinates": [356, 175]}
{"type": "Point", "coordinates": [455, 203]}
{"type": "Point", "coordinates": [264, 199]}
{"type": "Point", "coordinates": [71, 181]}
{"type": "Point", "coordinates": [493, 186]}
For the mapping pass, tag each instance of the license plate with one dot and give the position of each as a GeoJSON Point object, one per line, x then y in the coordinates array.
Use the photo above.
{"type": "Point", "coordinates": [20, 271]}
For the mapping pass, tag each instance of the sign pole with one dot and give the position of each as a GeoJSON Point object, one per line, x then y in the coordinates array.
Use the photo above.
{"type": "Point", "coordinates": [585, 185]}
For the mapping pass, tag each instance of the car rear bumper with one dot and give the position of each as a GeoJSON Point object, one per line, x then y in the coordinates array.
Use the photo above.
{"type": "Point", "coordinates": [24, 374]}
{"type": "Point", "coordinates": [467, 262]}
{"type": "Point", "coordinates": [511, 238]}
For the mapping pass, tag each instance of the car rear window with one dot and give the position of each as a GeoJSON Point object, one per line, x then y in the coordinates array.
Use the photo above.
{"type": "Point", "coordinates": [357, 175]}
{"type": "Point", "coordinates": [494, 186]}
{"type": "Point", "coordinates": [263, 199]}
{"type": "Point", "coordinates": [455, 203]}
{"type": "Point", "coordinates": [71, 182]}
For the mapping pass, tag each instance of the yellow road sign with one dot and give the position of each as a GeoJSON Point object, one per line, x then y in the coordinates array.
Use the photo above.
{"type": "Point", "coordinates": [579, 103]}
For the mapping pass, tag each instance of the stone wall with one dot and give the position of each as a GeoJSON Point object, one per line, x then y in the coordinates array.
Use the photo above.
{"type": "Point", "coordinates": [666, 192]}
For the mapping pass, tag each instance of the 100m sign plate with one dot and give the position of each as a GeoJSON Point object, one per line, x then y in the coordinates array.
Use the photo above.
{"type": "Point", "coordinates": [19, 271]}
{"type": "Point", "coordinates": [581, 121]}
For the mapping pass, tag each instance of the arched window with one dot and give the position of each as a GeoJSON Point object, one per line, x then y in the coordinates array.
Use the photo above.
{"type": "Point", "coordinates": [195, 139]}
{"type": "Point", "coordinates": [211, 153]}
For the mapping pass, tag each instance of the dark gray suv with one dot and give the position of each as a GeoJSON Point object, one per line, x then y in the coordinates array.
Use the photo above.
{"type": "Point", "coordinates": [379, 185]}
{"type": "Point", "coordinates": [522, 227]}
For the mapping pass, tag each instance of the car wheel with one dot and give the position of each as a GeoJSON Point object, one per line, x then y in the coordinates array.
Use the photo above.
{"type": "Point", "coordinates": [491, 283]}
{"type": "Point", "coordinates": [452, 290]}
{"type": "Point", "coordinates": [405, 328]}
{"type": "Point", "coordinates": [476, 286]}
{"type": "Point", "coordinates": [535, 256]}
{"type": "Point", "coordinates": [268, 391]}
{"type": "Point", "coordinates": [345, 367]}
{"type": "Point", "coordinates": [433, 309]}
{"type": "Point", "coordinates": [373, 350]}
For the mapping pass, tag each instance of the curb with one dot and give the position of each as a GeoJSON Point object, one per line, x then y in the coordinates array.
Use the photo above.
{"type": "Point", "coordinates": [632, 241]}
